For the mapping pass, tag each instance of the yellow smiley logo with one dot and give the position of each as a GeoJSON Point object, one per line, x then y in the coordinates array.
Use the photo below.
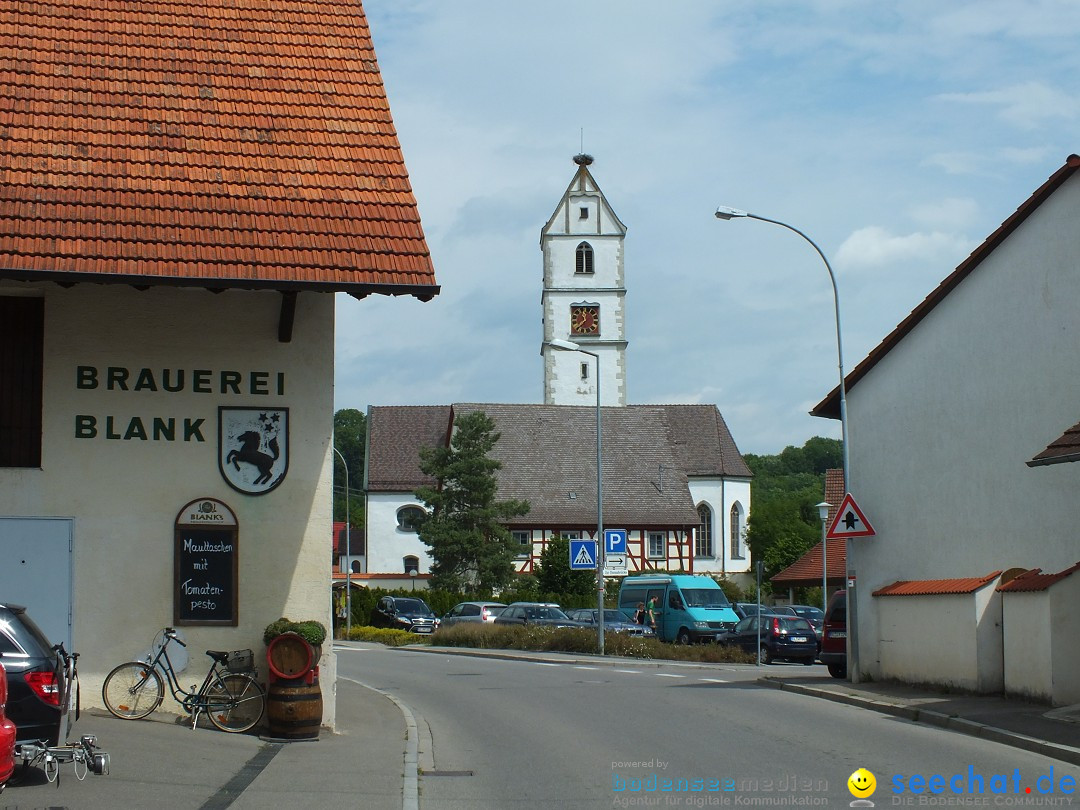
{"type": "Point", "coordinates": [862, 784]}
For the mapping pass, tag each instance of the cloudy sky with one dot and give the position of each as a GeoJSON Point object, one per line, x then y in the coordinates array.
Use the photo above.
{"type": "Point", "coordinates": [897, 134]}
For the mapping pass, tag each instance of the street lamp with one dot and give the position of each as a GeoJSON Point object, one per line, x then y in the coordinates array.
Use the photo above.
{"type": "Point", "coordinates": [348, 549]}
{"type": "Point", "coordinates": [726, 213]}
{"type": "Point", "coordinates": [568, 346]}
{"type": "Point", "coordinates": [823, 513]}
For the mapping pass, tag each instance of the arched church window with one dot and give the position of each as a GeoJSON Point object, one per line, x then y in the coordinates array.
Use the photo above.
{"type": "Point", "coordinates": [584, 263]}
{"type": "Point", "coordinates": [703, 546]}
{"type": "Point", "coordinates": [738, 546]}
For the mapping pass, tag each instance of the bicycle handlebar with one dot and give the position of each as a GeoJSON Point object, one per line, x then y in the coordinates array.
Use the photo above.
{"type": "Point", "coordinates": [170, 633]}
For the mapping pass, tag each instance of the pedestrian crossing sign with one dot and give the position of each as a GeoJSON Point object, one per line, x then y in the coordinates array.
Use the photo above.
{"type": "Point", "coordinates": [582, 555]}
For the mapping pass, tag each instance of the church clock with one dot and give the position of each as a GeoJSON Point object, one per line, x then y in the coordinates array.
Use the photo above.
{"type": "Point", "coordinates": [584, 320]}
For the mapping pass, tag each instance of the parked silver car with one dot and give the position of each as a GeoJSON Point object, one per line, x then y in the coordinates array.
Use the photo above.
{"type": "Point", "coordinates": [472, 613]}
{"type": "Point", "coordinates": [614, 621]}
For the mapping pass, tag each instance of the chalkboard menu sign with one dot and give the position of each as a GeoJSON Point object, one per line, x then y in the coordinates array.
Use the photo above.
{"type": "Point", "coordinates": [205, 565]}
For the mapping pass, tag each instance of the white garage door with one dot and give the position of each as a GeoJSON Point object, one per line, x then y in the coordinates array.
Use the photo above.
{"type": "Point", "coordinates": [35, 571]}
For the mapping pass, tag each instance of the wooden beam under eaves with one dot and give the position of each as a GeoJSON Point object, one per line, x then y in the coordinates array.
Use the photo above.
{"type": "Point", "coordinates": [287, 316]}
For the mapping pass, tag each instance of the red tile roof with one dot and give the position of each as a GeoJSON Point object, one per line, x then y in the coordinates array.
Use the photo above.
{"type": "Point", "coordinates": [830, 406]}
{"type": "Point", "coordinates": [1064, 448]}
{"type": "Point", "coordinates": [937, 587]}
{"type": "Point", "coordinates": [224, 143]}
{"type": "Point", "coordinates": [1035, 580]}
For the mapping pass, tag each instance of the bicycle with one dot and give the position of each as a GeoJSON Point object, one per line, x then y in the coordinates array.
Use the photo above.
{"type": "Point", "coordinates": [230, 696]}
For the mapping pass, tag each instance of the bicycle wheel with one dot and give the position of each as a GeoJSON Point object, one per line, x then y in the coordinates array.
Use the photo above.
{"type": "Point", "coordinates": [235, 702]}
{"type": "Point", "coordinates": [132, 690]}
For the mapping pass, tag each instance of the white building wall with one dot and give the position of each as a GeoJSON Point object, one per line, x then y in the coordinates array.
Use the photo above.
{"type": "Point", "coordinates": [942, 427]}
{"type": "Point", "coordinates": [1064, 651]}
{"type": "Point", "coordinates": [387, 544]}
{"type": "Point", "coordinates": [1026, 637]}
{"type": "Point", "coordinates": [124, 493]}
{"type": "Point", "coordinates": [950, 657]}
{"type": "Point", "coordinates": [721, 495]}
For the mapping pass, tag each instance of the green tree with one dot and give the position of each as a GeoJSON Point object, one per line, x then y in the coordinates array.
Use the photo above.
{"type": "Point", "coordinates": [555, 575]}
{"type": "Point", "coordinates": [350, 439]}
{"type": "Point", "coordinates": [470, 548]}
{"type": "Point", "coordinates": [784, 522]}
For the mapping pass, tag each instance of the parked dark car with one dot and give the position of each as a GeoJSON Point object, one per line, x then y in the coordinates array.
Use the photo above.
{"type": "Point", "coordinates": [834, 636]}
{"type": "Point", "coordinates": [786, 638]}
{"type": "Point", "coordinates": [472, 612]}
{"type": "Point", "coordinates": [7, 735]}
{"type": "Point", "coordinates": [745, 609]}
{"type": "Point", "coordinates": [404, 613]}
{"type": "Point", "coordinates": [34, 680]}
{"type": "Point", "coordinates": [535, 613]}
{"type": "Point", "coordinates": [815, 616]}
{"type": "Point", "coordinates": [614, 620]}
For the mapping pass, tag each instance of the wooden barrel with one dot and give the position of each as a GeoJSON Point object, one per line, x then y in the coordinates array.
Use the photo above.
{"type": "Point", "coordinates": [294, 709]}
{"type": "Point", "coordinates": [289, 656]}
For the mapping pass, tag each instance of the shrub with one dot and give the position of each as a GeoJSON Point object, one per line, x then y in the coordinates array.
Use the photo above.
{"type": "Point", "coordinates": [311, 631]}
{"type": "Point", "coordinates": [391, 638]}
{"type": "Point", "coordinates": [580, 640]}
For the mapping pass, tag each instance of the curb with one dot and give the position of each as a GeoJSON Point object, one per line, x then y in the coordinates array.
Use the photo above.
{"type": "Point", "coordinates": [983, 731]}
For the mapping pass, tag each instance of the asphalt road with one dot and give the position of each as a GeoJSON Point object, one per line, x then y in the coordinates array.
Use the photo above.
{"type": "Point", "coordinates": [509, 734]}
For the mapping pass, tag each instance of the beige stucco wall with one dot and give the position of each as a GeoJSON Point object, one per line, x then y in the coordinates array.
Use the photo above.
{"type": "Point", "coordinates": [124, 493]}
{"type": "Point", "coordinates": [948, 639]}
{"type": "Point", "coordinates": [1026, 632]}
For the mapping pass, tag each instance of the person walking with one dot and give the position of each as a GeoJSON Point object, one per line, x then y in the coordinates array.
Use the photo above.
{"type": "Point", "coordinates": [651, 611]}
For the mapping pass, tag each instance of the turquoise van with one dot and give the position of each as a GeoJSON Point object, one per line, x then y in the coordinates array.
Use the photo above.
{"type": "Point", "coordinates": [689, 608]}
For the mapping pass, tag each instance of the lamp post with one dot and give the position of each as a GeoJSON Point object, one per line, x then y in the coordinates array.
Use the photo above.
{"type": "Point", "coordinates": [568, 346]}
{"type": "Point", "coordinates": [348, 549]}
{"type": "Point", "coordinates": [823, 513]}
{"type": "Point", "coordinates": [726, 213]}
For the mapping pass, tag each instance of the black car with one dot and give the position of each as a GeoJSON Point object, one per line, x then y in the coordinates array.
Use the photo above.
{"type": "Point", "coordinates": [404, 613]}
{"type": "Point", "coordinates": [774, 637]}
{"type": "Point", "coordinates": [535, 613]}
{"type": "Point", "coordinates": [35, 681]}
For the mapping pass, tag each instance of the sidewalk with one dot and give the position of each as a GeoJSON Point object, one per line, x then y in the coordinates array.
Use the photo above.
{"type": "Point", "coordinates": [161, 763]}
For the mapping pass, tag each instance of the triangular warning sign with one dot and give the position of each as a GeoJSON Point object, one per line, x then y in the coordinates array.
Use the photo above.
{"type": "Point", "coordinates": [584, 558]}
{"type": "Point", "coordinates": [849, 521]}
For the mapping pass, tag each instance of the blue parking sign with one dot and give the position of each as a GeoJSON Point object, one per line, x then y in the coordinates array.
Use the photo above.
{"type": "Point", "coordinates": [582, 555]}
{"type": "Point", "coordinates": [615, 541]}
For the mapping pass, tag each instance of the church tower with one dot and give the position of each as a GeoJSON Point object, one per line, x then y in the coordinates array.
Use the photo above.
{"type": "Point", "coordinates": [584, 296]}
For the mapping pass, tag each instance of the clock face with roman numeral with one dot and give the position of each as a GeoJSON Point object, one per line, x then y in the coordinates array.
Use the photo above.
{"type": "Point", "coordinates": [584, 320]}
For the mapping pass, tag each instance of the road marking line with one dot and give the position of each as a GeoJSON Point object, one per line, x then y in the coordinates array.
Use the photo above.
{"type": "Point", "coordinates": [668, 675]}
{"type": "Point", "coordinates": [590, 668]}
{"type": "Point", "coordinates": [715, 680]}
{"type": "Point", "coordinates": [630, 671]}
{"type": "Point", "coordinates": [546, 664]}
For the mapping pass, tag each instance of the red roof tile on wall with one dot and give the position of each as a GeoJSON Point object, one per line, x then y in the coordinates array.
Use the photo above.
{"type": "Point", "coordinates": [934, 587]}
{"type": "Point", "coordinates": [224, 143]}
{"type": "Point", "coordinates": [1065, 448]}
{"type": "Point", "coordinates": [1035, 580]}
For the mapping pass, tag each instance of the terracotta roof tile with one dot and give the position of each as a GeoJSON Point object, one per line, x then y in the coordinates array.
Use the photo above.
{"type": "Point", "coordinates": [937, 587]}
{"type": "Point", "coordinates": [1035, 580]}
{"type": "Point", "coordinates": [806, 571]}
{"type": "Point", "coordinates": [220, 143]}
{"type": "Point", "coordinates": [1063, 449]}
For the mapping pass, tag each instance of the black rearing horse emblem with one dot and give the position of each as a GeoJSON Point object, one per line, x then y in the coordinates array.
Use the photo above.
{"type": "Point", "coordinates": [250, 453]}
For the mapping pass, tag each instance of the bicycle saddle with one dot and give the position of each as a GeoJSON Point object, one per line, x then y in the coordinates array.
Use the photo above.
{"type": "Point", "coordinates": [218, 655]}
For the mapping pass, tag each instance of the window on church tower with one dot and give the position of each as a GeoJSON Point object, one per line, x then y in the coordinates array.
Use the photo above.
{"type": "Point", "coordinates": [583, 212]}
{"type": "Point", "coordinates": [584, 264]}
{"type": "Point", "coordinates": [584, 371]}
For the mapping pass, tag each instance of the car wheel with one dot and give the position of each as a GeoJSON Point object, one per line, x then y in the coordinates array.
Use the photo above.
{"type": "Point", "coordinates": [838, 670]}
{"type": "Point", "coordinates": [764, 656]}
{"type": "Point", "coordinates": [807, 661]}
{"type": "Point", "coordinates": [683, 637]}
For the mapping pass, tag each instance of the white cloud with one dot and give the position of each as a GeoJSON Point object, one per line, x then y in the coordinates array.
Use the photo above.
{"type": "Point", "coordinates": [1028, 105]}
{"type": "Point", "coordinates": [953, 213]}
{"type": "Point", "coordinates": [875, 246]}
